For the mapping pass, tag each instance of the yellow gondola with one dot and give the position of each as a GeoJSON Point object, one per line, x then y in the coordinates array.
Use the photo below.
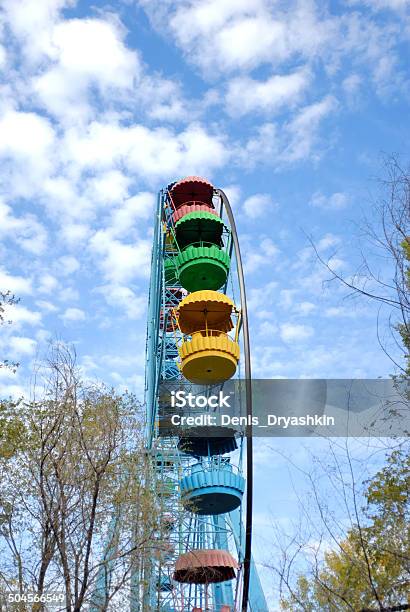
{"type": "Point", "coordinates": [209, 355]}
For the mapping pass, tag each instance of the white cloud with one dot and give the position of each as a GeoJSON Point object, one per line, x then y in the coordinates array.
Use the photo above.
{"type": "Point", "coordinates": [62, 198]}
{"type": "Point", "coordinates": [248, 41]}
{"type": "Point", "coordinates": [336, 201]}
{"type": "Point", "coordinates": [385, 73]}
{"type": "Point", "coordinates": [68, 294]}
{"type": "Point", "coordinates": [124, 298]}
{"type": "Point", "coordinates": [88, 366]}
{"type": "Point", "coordinates": [302, 130]}
{"type": "Point", "coordinates": [267, 329]}
{"type": "Point", "coordinates": [71, 60]}
{"type": "Point", "coordinates": [245, 33]}
{"type": "Point", "coordinates": [84, 53]}
{"type": "Point", "coordinates": [263, 146]}
{"type": "Point", "coordinates": [47, 283]}
{"type": "Point", "coordinates": [67, 264]}
{"type": "Point", "coordinates": [352, 83]}
{"type": "Point", "coordinates": [46, 306]}
{"type": "Point", "coordinates": [25, 230]}
{"type": "Point", "coordinates": [27, 135]}
{"type": "Point", "coordinates": [128, 215]}
{"type": "Point", "coordinates": [21, 346]}
{"type": "Point", "coordinates": [27, 145]}
{"type": "Point", "coordinates": [377, 5]}
{"type": "Point", "coordinates": [119, 261]}
{"type": "Point", "coordinates": [43, 336]}
{"type": "Point", "coordinates": [328, 241]}
{"type": "Point", "coordinates": [60, 97]}
{"type": "Point", "coordinates": [266, 362]}
{"type": "Point", "coordinates": [291, 142]}
{"type": "Point", "coordinates": [305, 308]}
{"type": "Point", "coordinates": [255, 259]}
{"type": "Point", "coordinates": [93, 48]}
{"type": "Point", "coordinates": [30, 16]}
{"type": "Point", "coordinates": [154, 154]}
{"type": "Point", "coordinates": [259, 297]}
{"type": "Point", "coordinates": [246, 95]}
{"type": "Point", "coordinates": [73, 314]}
{"type": "Point", "coordinates": [20, 316]}
{"type": "Point", "coordinates": [286, 297]}
{"type": "Point", "coordinates": [13, 391]}
{"type": "Point", "coordinates": [7, 374]}
{"type": "Point", "coordinates": [86, 163]}
{"type": "Point", "coordinates": [3, 56]}
{"type": "Point", "coordinates": [258, 205]}
{"type": "Point", "coordinates": [340, 311]}
{"type": "Point", "coordinates": [294, 332]}
{"type": "Point", "coordinates": [162, 99]}
{"type": "Point", "coordinates": [16, 284]}
{"type": "Point", "coordinates": [108, 188]}
{"type": "Point", "coordinates": [233, 193]}
{"type": "Point", "coordinates": [75, 233]}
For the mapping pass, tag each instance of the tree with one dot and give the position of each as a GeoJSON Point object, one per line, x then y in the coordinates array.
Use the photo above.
{"type": "Point", "coordinates": [7, 299]}
{"type": "Point", "coordinates": [403, 327]}
{"type": "Point", "coordinates": [10, 428]}
{"type": "Point", "coordinates": [76, 506]}
{"type": "Point", "coordinates": [370, 567]}
{"type": "Point", "coordinates": [387, 282]}
{"type": "Point", "coordinates": [362, 561]}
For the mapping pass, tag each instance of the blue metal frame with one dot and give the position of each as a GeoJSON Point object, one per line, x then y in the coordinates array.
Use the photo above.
{"type": "Point", "coordinates": [191, 530]}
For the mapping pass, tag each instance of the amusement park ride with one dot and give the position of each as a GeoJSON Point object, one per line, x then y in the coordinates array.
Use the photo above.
{"type": "Point", "coordinates": [198, 333]}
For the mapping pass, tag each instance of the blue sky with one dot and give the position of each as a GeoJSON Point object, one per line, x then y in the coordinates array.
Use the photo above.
{"type": "Point", "coordinates": [289, 106]}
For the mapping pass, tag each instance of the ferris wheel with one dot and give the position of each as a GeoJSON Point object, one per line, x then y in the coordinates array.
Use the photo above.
{"type": "Point", "coordinates": [197, 333]}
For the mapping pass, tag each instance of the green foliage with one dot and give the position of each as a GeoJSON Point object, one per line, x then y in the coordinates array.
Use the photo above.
{"type": "Point", "coordinates": [406, 248]}
{"type": "Point", "coordinates": [373, 562]}
{"type": "Point", "coordinates": [12, 429]}
{"type": "Point", "coordinates": [403, 328]}
{"type": "Point", "coordinates": [70, 463]}
{"type": "Point", "coordinates": [388, 493]}
{"type": "Point", "coordinates": [7, 299]}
